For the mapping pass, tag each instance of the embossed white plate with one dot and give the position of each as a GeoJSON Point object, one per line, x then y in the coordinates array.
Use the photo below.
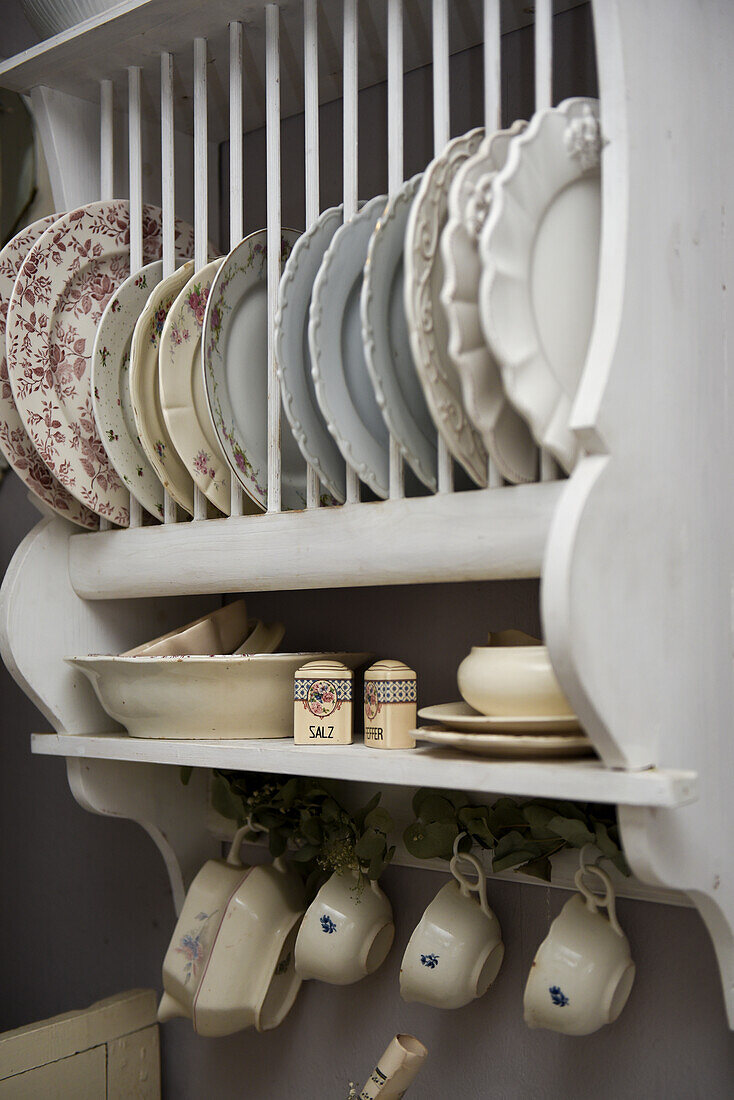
{"type": "Point", "coordinates": [516, 745]}
{"type": "Point", "coordinates": [61, 291]}
{"type": "Point", "coordinates": [343, 387]}
{"type": "Point", "coordinates": [461, 716]}
{"type": "Point", "coordinates": [540, 259]}
{"type": "Point", "coordinates": [235, 350]}
{"type": "Point", "coordinates": [504, 432]}
{"type": "Point", "coordinates": [113, 408]}
{"type": "Point", "coordinates": [181, 384]}
{"type": "Point", "coordinates": [15, 442]}
{"type": "Point", "coordinates": [294, 358]}
{"type": "Point", "coordinates": [423, 309]}
{"type": "Point", "coordinates": [387, 343]}
{"type": "Point", "coordinates": [145, 392]}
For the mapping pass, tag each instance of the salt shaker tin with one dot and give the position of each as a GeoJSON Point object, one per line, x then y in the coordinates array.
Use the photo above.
{"type": "Point", "coordinates": [322, 704]}
{"type": "Point", "coordinates": [390, 694]}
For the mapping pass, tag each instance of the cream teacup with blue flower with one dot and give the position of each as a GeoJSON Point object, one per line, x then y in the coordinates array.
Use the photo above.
{"type": "Point", "coordinates": [456, 950]}
{"type": "Point", "coordinates": [347, 931]}
{"type": "Point", "coordinates": [583, 972]}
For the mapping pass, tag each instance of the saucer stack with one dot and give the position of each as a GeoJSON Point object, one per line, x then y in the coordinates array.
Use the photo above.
{"type": "Point", "coordinates": [513, 705]}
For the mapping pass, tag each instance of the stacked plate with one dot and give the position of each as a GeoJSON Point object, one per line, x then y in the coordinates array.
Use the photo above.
{"type": "Point", "coordinates": [460, 309]}
{"type": "Point", "coordinates": [513, 707]}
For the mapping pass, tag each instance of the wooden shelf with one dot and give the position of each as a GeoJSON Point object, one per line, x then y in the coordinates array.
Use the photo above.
{"type": "Point", "coordinates": [487, 534]}
{"type": "Point", "coordinates": [584, 780]}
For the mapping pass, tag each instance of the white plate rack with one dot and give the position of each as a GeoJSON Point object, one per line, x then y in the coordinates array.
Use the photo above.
{"type": "Point", "coordinates": [635, 549]}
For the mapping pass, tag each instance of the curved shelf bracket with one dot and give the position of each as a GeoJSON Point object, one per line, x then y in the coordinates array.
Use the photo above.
{"type": "Point", "coordinates": [637, 582]}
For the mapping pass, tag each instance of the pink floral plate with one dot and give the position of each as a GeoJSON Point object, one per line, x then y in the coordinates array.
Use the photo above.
{"type": "Point", "coordinates": [15, 442]}
{"type": "Point", "coordinates": [63, 286]}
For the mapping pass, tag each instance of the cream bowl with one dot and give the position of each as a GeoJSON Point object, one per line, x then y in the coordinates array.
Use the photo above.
{"type": "Point", "coordinates": [229, 696]}
{"type": "Point", "coordinates": [506, 681]}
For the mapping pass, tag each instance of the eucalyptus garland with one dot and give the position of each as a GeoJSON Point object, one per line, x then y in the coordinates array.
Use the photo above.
{"type": "Point", "coordinates": [521, 834]}
{"type": "Point", "coordinates": [305, 821]}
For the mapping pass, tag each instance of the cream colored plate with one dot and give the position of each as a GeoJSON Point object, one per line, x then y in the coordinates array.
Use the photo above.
{"type": "Point", "coordinates": [145, 394]}
{"type": "Point", "coordinates": [462, 716]}
{"type": "Point", "coordinates": [423, 275]}
{"type": "Point", "coordinates": [181, 384]}
{"type": "Point", "coordinates": [518, 746]}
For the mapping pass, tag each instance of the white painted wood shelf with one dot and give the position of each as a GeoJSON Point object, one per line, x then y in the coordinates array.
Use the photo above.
{"type": "Point", "coordinates": [485, 534]}
{"type": "Point", "coordinates": [586, 780]}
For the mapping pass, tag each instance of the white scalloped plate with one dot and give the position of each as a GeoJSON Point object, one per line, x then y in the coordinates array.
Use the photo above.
{"type": "Point", "coordinates": [145, 391]}
{"type": "Point", "coordinates": [181, 386]}
{"type": "Point", "coordinates": [386, 339]}
{"type": "Point", "coordinates": [343, 387]}
{"type": "Point", "coordinates": [113, 408]}
{"type": "Point", "coordinates": [235, 355]}
{"type": "Point", "coordinates": [15, 442]}
{"type": "Point", "coordinates": [515, 745]}
{"type": "Point", "coordinates": [425, 314]}
{"type": "Point", "coordinates": [294, 358]}
{"type": "Point", "coordinates": [540, 259]}
{"type": "Point", "coordinates": [505, 434]}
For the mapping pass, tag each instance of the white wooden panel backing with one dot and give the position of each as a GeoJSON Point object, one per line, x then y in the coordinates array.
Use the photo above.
{"type": "Point", "coordinates": [139, 30]}
{"type": "Point", "coordinates": [638, 573]}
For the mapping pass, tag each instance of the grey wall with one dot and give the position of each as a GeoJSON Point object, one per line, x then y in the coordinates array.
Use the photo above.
{"type": "Point", "coordinates": [86, 909]}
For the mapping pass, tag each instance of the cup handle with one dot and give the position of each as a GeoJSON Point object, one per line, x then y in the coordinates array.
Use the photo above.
{"type": "Point", "coordinates": [594, 901]}
{"type": "Point", "coordinates": [469, 886]}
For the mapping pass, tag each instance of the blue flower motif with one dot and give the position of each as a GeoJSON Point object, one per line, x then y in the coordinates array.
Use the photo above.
{"type": "Point", "coordinates": [431, 961]}
{"type": "Point", "coordinates": [558, 996]}
{"type": "Point", "coordinates": [327, 924]}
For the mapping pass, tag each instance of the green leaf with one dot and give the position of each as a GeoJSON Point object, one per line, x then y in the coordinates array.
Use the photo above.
{"type": "Point", "coordinates": [474, 820]}
{"type": "Point", "coordinates": [538, 868]}
{"type": "Point", "coordinates": [537, 818]}
{"type": "Point", "coordinates": [511, 842]}
{"type": "Point", "coordinates": [434, 840]}
{"type": "Point", "coordinates": [186, 771]}
{"type": "Point", "coordinates": [369, 845]}
{"type": "Point", "coordinates": [311, 830]}
{"type": "Point", "coordinates": [435, 807]}
{"type": "Point", "coordinates": [513, 859]}
{"type": "Point", "coordinates": [277, 842]}
{"type": "Point", "coordinates": [306, 853]}
{"type": "Point", "coordinates": [289, 792]}
{"type": "Point", "coordinates": [359, 816]}
{"type": "Point", "coordinates": [573, 831]}
{"type": "Point", "coordinates": [224, 801]}
{"type": "Point", "coordinates": [574, 810]}
{"type": "Point", "coordinates": [379, 819]}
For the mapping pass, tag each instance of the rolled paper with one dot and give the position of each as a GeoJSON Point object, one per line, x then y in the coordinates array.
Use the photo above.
{"type": "Point", "coordinates": [396, 1070]}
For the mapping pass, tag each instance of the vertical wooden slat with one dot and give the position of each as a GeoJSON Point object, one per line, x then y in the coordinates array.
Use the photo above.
{"type": "Point", "coordinates": [168, 205]}
{"type": "Point", "coordinates": [106, 176]}
{"type": "Point", "coordinates": [201, 195]}
{"type": "Point", "coordinates": [544, 99]}
{"type": "Point", "coordinates": [492, 121]}
{"type": "Point", "coordinates": [441, 135]}
{"type": "Point", "coordinates": [311, 135]}
{"type": "Point", "coordinates": [543, 54]}
{"type": "Point", "coordinates": [492, 66]}
{"type": "Point", "coordinates": [236, 182]}
{"type": "Point", "coordinates": [106, 141]}
{"type": "Point", "coordinates": [272, 131]}
{"type": "Point", "coordinates": [135, 166]}
{"type": "Point", "coordinates": [351, 150]}
{"type": "Point", "coordinates": [395, 173]}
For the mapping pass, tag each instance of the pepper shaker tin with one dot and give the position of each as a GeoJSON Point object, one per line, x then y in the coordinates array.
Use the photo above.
{"type": "Point", "coordinates": [322, 704]}
{"type": "Point", "coordinates": [390, 713]}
